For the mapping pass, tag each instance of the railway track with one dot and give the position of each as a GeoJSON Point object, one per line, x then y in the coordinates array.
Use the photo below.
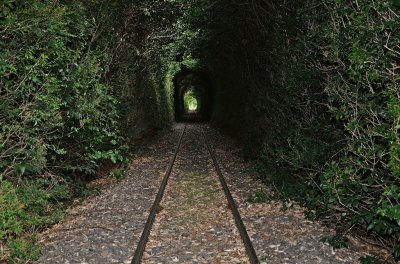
{"type": "Point", "coordinates": [137, 258]}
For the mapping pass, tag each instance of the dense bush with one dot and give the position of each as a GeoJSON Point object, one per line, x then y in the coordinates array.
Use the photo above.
{"type": "Point", "coordinates": [363, 89]}
{"type": "Point", "coordinates": [57, 116]}
{"type": "Point", "coordinates": [316, 85]}
{"type": "Point", "coordinates": [312, 85]}
{"type": "Point", "coordinates": [129, 32]}
{"type": "Point", "coordinates": [55, 110]}
{"type": "Point", "coordinates": [76, 79]}
{"type": "Point", "coordinates": [30, 206]}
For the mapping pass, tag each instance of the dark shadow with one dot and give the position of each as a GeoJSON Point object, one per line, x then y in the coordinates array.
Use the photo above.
{"type": "Point", "coordinates": [198, 85]}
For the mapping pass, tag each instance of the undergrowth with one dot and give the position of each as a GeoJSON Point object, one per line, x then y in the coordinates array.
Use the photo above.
{"type": "Point", "coordinates": [312, 89]}
{"type": "Point", "coordinates": [78, 80]}
{"type": "Point", "coordinates": [27, 207]}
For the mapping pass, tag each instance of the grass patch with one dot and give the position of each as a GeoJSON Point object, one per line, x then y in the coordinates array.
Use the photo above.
{"type": "Point", "coordinates": [196, 191]}
{"type": "Point", "coordinates": [30, 206]}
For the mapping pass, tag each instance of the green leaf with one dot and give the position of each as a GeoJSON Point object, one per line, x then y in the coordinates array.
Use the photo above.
{"type": "Point", "coordinates": [21, 168]}
{"type": "Point", "coordinates": [396, 2]}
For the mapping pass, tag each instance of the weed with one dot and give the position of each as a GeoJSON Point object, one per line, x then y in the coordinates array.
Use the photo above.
{"type": "Point", "coordinates": [370, 260]}
{"type": "Point", "coordinates": [258, 197]}
{"type": "Point", "coordinates": [336, 241]}
{"type": "Point", "coordinates": [117, 174]}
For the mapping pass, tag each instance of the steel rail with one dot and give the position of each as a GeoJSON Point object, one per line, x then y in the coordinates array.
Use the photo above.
{"type": "Point", "coordinates": [238, 220]}
{"type": "Point", "coordinates": [150, 220]}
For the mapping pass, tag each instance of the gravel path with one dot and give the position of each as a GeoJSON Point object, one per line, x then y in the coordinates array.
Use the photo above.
{"type": "Point", "coordinates": [107, 228]}
{"type": "Point", "coordinates": [194, 224]}
{"type": "Point", "coordinates": [279, 235]}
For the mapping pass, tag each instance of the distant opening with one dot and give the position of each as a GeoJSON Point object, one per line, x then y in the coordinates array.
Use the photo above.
{"type": "Point", "coordinates": [192, 101]}
{"type": "Point", "coordinates": [192, 96]}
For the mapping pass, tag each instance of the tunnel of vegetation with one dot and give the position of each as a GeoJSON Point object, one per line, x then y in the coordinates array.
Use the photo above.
{"type": "Point", "coordinates": [312, 86]}
{"type": "Point", "coordinates": [192, 96]}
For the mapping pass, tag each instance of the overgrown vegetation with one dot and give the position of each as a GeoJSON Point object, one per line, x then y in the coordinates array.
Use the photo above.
{"type": "Point", "coordinates": [315, 87]}
{"type": "Point", "coordinates": [312, 85]}
{"type": "Point", "coordinates": [78, 79]}
{"type": "Point", "coordinates": [57, 116]}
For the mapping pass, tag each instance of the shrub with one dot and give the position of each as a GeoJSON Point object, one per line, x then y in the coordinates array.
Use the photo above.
{"type": "Point", "coordinates": [57, 115]}
{"type": "Point", "coordinates": [29, 206]}
{"type": "Point", "coordinates": [314, 87]}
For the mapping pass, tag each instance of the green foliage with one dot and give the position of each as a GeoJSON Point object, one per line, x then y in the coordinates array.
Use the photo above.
{"type": "Point", "coordinates": [57, 113]}
{"type": "Point", "coordinates": [117, 174]}
{"type": "Point", "coordinates": [370, 260]}
{"type": "Point", "coordinates": [336, 241]}
{"type": "Point", "coordinates": [23, 249]}
{"type": "Point", "coordinates": [31, 205]}
{"type": "Point", "coordinates": [361, 89]}
{"type": "Point", "coordinates": [314, 88]}
{"type": "Point", "coordinates": [143, 60]}
{"type": "Point", "coordinates": [11, 210]}
{"type": "Point", "coordinates": [75, 77]}
{"type": "Point", "coordinates": [191, 100]}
